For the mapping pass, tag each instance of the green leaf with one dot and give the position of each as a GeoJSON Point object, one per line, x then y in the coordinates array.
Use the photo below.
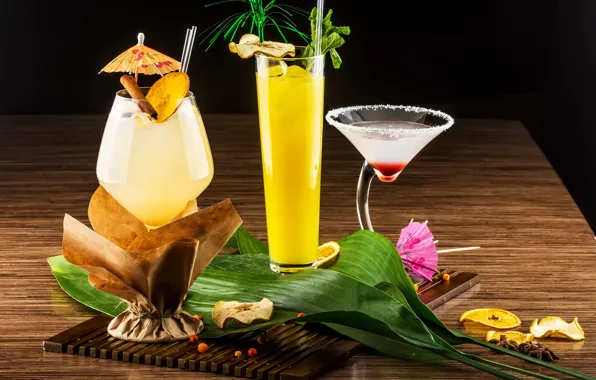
{"type": "Point", "coordinates": [367, 296]}
{"type": "Point", "coordinates": [308, 291]}
{"type": "Point", "coordinates": [388, 346]}
{"type": "Point", "coordinates": [381, 263]}
{"type": "Point", "coordinates": [330, 40]}
{"type": "Point", "coordinates": [248, 244]}
{"type": "Point", "coordinates": [73, 281]}
{"type": "Point", "coordinates": [345, 30]}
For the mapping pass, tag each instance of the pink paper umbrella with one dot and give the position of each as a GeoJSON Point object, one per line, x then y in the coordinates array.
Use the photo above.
{"type": "Point", "coordinates": [417, 249]}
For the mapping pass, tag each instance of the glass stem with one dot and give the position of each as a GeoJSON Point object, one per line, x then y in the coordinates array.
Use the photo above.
{"type": "Point", "coordinates": [366, 175]}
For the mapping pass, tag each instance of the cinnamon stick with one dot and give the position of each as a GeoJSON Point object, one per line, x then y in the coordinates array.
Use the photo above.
{"type": "Point", "coordinates": [136, 93]}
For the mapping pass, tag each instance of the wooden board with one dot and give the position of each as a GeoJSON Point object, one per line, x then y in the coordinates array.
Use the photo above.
{"type": "Point", "coordinates": [291, 352]}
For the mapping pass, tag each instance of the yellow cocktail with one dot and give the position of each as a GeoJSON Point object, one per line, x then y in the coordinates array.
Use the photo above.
{"type": "Point", "coordinates": [290, 94]}
{"type": "Point", "coordinates": [154, 169]}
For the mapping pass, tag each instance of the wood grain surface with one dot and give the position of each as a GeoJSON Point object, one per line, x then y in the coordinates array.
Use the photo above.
{"type": "Point", "coordinates": [484, 182]}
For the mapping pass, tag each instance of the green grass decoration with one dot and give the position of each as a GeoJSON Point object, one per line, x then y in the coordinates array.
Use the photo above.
{"type": "Point", "coordinates": [254, 20]}
{"type": "Point", "coordinates": [366, 295]}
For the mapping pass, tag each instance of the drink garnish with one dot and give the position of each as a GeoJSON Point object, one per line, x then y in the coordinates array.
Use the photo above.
{"type": "Point", "coordinates": [516, 336]}
{"type": "Point", "coordinates": [555, 327]}
{"type": "Point", "coordinates": [243, 312]}
{"type": "Point", "coordinates": [331, 38]}
{"type": "Point", "coordinates": [136, 93]}
{"type": "Point", "coordinates": [250, 44]}
{"type": "Point", "coordinates": [495, 318]}
{"type": "Point", "coordinates": [327, 253]}
{"type": "Point", "coordinates": [165, 94]}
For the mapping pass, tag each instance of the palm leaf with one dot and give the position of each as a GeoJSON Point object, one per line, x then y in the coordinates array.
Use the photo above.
{"type": "Point", "coordinates": [271, 14]}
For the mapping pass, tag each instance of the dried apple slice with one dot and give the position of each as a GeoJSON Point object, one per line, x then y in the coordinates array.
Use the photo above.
{"type": "Point", "coordinates": [165, 94]}
{"type": "Point", "coordinates": [250, 44]}
{"type": "Point", "coordinates": [572, 331]}
{"type": "Point", "coordinates": [555, 327]}
{"type": "Point", "coordinates": [242, 312]}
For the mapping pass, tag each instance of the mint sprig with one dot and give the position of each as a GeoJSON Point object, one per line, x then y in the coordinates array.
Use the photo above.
{"type": "Point", "coordinates": [331, 38]}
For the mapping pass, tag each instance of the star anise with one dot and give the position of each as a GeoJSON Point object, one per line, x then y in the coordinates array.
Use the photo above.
{"type": "Point", "coordinates": [536, 350]}
{"type": "Point", "coordinates": [503, 342]}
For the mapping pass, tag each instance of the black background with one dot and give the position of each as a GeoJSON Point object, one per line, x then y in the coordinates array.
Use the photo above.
{"type": "Point", "coordinates": [530, 60]}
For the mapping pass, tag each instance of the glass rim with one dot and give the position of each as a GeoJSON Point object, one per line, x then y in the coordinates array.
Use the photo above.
{"type": "Point", "coordinates": [119, 93]}
{"type": "Point", "coordinates": [332, 115]}
{"type": "Point", "coordinates": [290, 59]}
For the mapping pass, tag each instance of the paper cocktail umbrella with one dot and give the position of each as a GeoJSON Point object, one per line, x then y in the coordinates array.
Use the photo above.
{"type": "Point", "coordinates": [140, 59]}
{"type": "Point", "coordinates": [417, 249]}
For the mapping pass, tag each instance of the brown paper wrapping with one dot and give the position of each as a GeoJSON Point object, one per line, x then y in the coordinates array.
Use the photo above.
{"type": "Point", "coordinates": [150, 270]}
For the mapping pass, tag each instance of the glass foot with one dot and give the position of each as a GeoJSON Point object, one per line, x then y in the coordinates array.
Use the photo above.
{"type": "Point", "coordinates": [290, 268]}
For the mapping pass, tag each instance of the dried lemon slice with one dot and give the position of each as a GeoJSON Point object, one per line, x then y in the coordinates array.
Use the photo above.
{"type": "Point", "coordinates": [250, 44]}
{"type": "Point", "coordinates": [556, 327]}
{"type": "Point", "coordinates": [497, 318]}
{"type": "Point", "coordinates": [516, 336]}
{"type": "Point", "coordinates": [165, 94]}
{"type": "Point", "coordinates": [327, 252]}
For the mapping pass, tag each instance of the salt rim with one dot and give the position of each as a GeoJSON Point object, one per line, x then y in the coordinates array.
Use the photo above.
{"type": "Point", "coordinates": [392, 132]}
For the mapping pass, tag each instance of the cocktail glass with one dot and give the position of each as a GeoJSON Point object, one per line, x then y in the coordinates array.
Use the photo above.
{"type": "Point", "coordinates": [388, 137]}
{"type": "Point", "coordinates": [290, 93]}
{"type": "Point", "coordinates": [154, 169]}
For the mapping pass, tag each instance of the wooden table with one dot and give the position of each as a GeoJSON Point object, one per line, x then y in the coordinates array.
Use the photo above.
{"type": "Point", "coordinates": [484, 182]}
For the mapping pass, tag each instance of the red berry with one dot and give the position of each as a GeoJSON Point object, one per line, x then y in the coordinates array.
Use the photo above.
{"type": "Point", "coordinates": [194, 339]}
{"type": "Point", "coordinates": [300, 315]}
{"type": "Point", "coordinates": [203, 347]}
{"type": "Point", "coordinates": [252, 352]}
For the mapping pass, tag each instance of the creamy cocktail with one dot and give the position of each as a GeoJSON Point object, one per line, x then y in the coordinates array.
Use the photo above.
{"type": "Point", "coordinates": [153, 169]}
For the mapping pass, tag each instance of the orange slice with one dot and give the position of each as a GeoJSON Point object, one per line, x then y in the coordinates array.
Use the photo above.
{"type": "Point", "coordinates": [517, 336]}
{"type": "Point", "coordinates": [495, 318]}
{"type": "Point", "coordinates": [166, 94]}
{"type": "Point", "coordinates": [327, 253]}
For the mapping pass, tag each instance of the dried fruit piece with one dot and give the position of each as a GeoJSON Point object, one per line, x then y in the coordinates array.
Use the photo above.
{"type": "Point", "coordinates": [327, 253]}
{"type": "Point", "coordinates": [446, 277]}
{"type": "Point", "coordinates": [516, 336]}
{"type": "Point", "coordinates": [300, 315]}
{"type": "Point", "coordinates": [250, 44]}
{"type": "Point", "coordinates": [496, 318]}
{"type": "Point", "coordinates": [242, 312]}
{"type": "Point", "coordinates": [203, 347]}
{"type": "Point", "coordinates": [252, 352]}
{"type": "Point", "coordinates": [199, 317]}
{"type": "Point", "coordinates": [556, 327]}
{"type": "Point", "coordinates": [166, 94]}
{"type": "Point", "coordinates": [572, 331]}
{"type": "Point", "coordinates": [194, 339]}
{"type": "Point", "coordinates": [546, 326]}
{"type": "Point", "coordinates": [238, 354]}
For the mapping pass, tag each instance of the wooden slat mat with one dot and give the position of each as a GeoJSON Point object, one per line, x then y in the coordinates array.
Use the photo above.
{"type": "Point", "coordinates": [291, 352]}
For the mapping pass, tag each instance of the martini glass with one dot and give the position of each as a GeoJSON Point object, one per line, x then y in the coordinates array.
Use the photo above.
{"type": "Point", "coordinates": [388, 137]}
